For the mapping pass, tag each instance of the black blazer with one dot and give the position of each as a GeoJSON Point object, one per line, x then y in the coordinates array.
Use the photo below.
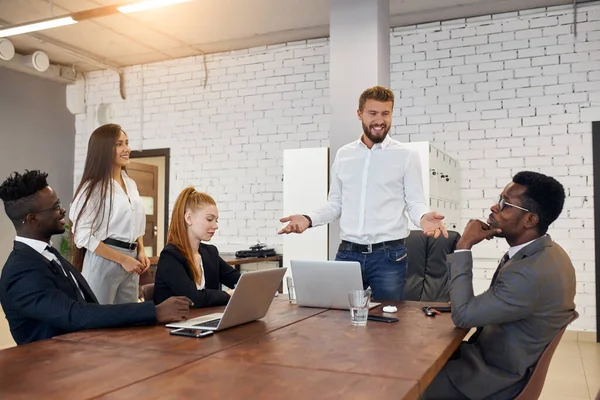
{"type": "Point", "coordinates": [40, 302]}
{"type": "Point", "coordinates": [174, 277]}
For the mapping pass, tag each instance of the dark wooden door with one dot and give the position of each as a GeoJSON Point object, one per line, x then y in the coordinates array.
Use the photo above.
{"type": "Point", "coordinates": [146, 178]}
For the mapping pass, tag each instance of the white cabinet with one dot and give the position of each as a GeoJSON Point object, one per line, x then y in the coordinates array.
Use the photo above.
{"type": "Point", "coordinates": [305, 188]}
{"type": "Point", "coordinates": [441, 182]}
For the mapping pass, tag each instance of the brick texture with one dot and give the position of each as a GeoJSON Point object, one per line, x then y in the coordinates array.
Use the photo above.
{"type": "Point", "coordinates": [501, 93]}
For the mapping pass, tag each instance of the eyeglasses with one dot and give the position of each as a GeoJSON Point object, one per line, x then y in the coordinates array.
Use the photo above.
{"type": "Point", "coordinates": [56, 207]}
{"type": "Point", "coordinates": [502, 203]}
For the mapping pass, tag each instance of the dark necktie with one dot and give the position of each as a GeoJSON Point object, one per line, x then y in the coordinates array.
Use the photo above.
{"type": "Point", "coordinates": [474, 337]}
{"type": "Point", "coordinates": [62, 267]}
{"type": "Point", "coordinates": [502, 262]}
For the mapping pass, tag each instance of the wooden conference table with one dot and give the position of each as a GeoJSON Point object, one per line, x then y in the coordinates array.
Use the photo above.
{"type": "Point", "coordinates": [292, 353]}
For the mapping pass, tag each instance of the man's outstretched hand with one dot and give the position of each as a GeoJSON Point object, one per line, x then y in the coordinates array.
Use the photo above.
{"type": "Point", "coordinates": [297, 224]}
{"type": "Point", "coordinates": [432, 224]}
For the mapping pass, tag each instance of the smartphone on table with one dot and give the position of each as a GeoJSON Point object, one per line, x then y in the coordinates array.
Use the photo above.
{"type": "Point", "coordinates": [380, 318]}
{"type": "Point", "coordinates": [197, 333]}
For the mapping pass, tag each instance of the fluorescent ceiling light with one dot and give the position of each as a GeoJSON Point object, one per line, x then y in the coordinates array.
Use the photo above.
{"type": "Point", "coordinates": [36, 26]}
{"type": "Point", "coordinates": [73, 18]}
{"type": "Point", "coordinates": [147, 5]}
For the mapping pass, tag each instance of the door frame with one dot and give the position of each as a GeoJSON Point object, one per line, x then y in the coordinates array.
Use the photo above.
{"type": "Point", "coordinates": [166, 153]}
{"type": "Point", "coordinates": [596, 174]}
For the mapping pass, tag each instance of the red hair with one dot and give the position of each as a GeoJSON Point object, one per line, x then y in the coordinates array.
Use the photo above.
{"type": "Point", "coordinates": [188, 199]}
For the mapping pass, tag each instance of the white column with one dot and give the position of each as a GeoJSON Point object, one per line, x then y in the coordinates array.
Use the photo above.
{"type": "Point", "coordinates": [359, 58]}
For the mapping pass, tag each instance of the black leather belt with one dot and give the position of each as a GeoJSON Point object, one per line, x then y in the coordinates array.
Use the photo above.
{"type": "Point", "coordinates": [368, 248]}
{"type": "Point", "coordinates": [121, 244]}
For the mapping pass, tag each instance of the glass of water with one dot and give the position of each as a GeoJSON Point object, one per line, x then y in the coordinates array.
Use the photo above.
{"type": "Point", "coordinates": [359, 306]}
{"type": "Point", "coordinates": [291, 289]}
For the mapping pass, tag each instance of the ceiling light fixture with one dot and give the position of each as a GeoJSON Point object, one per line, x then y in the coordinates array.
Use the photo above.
{"type": "Point", "coordinates": [84, 15]}
{"type": "Point", "coordinates": [36, 26]}
{"type": "Point", "coordinates": [148, 5]}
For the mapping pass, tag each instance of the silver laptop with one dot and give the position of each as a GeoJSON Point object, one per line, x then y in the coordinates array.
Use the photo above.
{"type": "Point", "coordinates": [325, 284]}
{"type": "Point", "coordinates": [250, 301]}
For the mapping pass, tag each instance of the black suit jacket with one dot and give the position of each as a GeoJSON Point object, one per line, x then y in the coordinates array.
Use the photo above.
{"type": "Point", "coordinates": [40, 302]}
{"type": "Point", "coordinates": [174, 277]}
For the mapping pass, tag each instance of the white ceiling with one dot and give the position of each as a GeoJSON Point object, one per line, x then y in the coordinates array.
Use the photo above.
{"type": "Point", "coordinates": [207, 26]}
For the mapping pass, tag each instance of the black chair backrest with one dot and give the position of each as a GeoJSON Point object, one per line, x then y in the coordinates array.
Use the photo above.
{"type": "Point", "coordinates": [427, 277]}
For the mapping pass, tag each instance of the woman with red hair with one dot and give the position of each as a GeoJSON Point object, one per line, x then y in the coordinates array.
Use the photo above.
{"type": "Point", "coordinates": [188, 267]}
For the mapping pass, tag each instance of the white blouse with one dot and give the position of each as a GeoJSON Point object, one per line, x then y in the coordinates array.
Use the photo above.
{"type": "Point", "coordinates": [203, 281]}
{"type": "Point", "coordinates": [127, 218]}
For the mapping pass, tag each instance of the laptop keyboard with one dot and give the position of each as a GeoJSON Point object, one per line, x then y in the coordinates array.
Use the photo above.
{"type": "Point", "coordinates": [211, 324]}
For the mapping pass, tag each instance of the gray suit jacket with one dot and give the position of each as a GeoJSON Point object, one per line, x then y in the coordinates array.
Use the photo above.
{"type": "Point", "coordinates": [530, 301]}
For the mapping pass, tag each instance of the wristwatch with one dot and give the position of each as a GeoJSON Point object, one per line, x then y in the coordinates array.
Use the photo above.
{"type": "Point", "coordinates": [309, 220]}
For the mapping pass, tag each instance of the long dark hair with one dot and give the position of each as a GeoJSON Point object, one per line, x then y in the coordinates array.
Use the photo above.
{"type": "Point", "coordinates": [97, 175]}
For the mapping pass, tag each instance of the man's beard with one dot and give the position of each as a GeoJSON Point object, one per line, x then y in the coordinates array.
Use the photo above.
{"type": "Point", "coordinates": [372, 138]}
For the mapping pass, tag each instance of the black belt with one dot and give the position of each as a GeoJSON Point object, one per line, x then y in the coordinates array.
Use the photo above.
{"type": "Point", "coordinates": [368, 248]}
{"type": "Point", "coordinates": [121, 244]}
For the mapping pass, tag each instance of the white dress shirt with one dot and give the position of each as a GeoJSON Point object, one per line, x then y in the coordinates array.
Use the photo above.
{"type": "Point", "coordinates": [127, 217]}
{"type": "Point", "coordinates": [40, 247]}
{"type": "Point", "coordinates": [370, 191]}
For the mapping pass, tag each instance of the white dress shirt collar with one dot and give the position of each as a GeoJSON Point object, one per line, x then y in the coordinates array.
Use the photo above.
{"type": "Point", "coordinates": [385, 143]}
{"type": "Point", "coordinates": [37, 245]}
{"type": "Point", "coordinates": [40, 247]}
{"type": "Point", "coordinates": [514, 249]}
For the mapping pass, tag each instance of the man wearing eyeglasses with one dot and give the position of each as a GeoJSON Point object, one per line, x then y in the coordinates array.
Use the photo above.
{"type": "Point", "coordinates": [530, 299]}
{"type": "Point", "coordinates": [41, 293]}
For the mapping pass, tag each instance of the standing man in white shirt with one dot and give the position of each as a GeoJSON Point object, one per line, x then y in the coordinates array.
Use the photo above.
{"type": "Point", "coordinates": [374, 180]}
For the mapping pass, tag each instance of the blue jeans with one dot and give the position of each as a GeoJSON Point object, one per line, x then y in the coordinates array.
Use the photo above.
{"type": "Point", "coordinates": [384, 271]}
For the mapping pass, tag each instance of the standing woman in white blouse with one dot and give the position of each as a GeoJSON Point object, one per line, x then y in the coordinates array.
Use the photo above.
{"type": "Point", "coordinates": [109, 220]}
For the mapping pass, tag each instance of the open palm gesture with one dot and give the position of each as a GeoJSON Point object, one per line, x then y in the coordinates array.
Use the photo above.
{"type": "Point", "coordinates": [432, 224]}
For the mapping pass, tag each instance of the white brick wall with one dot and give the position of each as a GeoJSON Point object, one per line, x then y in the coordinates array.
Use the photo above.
{"type": "Point", "coordinates": [500, 93]}
{"type": "Point", "coordinates": [522, 93]}
{"type": "Point", "coordinates": [225, 139]}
